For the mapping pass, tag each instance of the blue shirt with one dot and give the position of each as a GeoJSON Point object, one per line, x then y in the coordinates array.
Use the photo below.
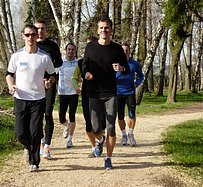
{"type": "Point", "coordinates": [126, 84]}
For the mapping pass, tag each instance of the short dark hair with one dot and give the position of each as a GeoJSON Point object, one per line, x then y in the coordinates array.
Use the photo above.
{"type": "Point", "coordinates": [40, 21]}
{"type": "Point", "coordinates": [91, 38]}
{"type": "Point", "coordinates": [107, 20]}
{"type": "Point", "coordinates": [29, 26]}
{"type": "Point", "coordinates": [127, 45]}
{"type": "Point", "coordinates": [70, 44]}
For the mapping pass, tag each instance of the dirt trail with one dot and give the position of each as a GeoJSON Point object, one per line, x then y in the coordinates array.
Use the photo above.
{"type": "Point", "coordinates": [144, 165]}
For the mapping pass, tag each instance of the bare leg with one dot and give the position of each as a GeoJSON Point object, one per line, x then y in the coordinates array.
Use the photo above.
{"type": "Point", "coordinates": [71, 128]}
{"type": "Point", "coordinates": [122, 124]}
{"type": "Point", "coordinates": [110, 143]}
{"type": "Point", "coordinates": [91, 138]}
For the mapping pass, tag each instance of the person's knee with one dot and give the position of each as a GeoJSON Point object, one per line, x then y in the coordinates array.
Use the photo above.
{"type": "Point", "coordinates": [131, 115]}
{"type": "Point", "coordinates": [96, 131]}
{"type": "Point", "coordinates": [111, 131]}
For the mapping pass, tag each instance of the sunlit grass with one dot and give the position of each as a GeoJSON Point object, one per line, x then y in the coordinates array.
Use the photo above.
{"type": "Point", "coordinates": [184, 144]}
{"type": "Point", "coordinates": [152, 104]}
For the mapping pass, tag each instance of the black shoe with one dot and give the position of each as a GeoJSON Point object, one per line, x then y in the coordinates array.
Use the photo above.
{"type": "Point", "coordinates": [92, 155]}
{"type": "Point", "coordinates": [108, 164]}
{"type": "Point", "coordinates": [99, 148]}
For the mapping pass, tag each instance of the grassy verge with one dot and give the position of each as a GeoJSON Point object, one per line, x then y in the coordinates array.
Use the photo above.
{"type": "Point", "coordinates": [151, 104]}
{"type": "Point", "coordinates": [8, 141]}
{"type": "Point", "coordinates": [184, 144]}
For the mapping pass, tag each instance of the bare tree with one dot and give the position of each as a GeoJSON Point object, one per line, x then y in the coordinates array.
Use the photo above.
{"type": "Point", "coordinates": [135, 24]}
{"type": "Point", "coordinates": [117, 4]}
{"type": "Point", "coordinates": [196, 80]}
{"type": "Point", "coordinates": [77, 21]}
{"type": "Point", "coordinates": [7, 22]}
{"type": "Point", "coordinates": [160, 90]}
{"type": "Point", "coordinates": [148, 61]}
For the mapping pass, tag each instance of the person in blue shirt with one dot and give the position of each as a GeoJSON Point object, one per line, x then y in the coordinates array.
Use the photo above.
{"type": "Point", "coordinates": [126, 87]}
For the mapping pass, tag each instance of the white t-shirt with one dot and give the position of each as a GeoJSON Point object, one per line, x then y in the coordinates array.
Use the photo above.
{"type": "Point", "coordinates": [65, 86]}
{"type": "Point", "coordinates": [29, 69]}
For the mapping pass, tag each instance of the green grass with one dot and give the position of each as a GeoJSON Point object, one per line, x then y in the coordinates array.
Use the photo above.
{"type": "Point", "coordinates": [79, 108]}
{"type": "Point", "coordinates": [151, 104]}
{"type": "Point", "coordinates": [8, 141]}
{"type": "Point", "coordinates": [184, 144]}
{"type": "Point", "coordinates": [6, 102]}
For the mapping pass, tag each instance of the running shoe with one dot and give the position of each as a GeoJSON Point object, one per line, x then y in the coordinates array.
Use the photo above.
{"type": "Point", "coordinates": [108, 164]}
{"type": "Point", "coordinates": [47, 154]}
{"type": "Point", "coordinates": [132, 139]}
{"type": "Point", "coordinates": [66, 130]}
{"type": "Point", "coordinates": [99, 147]}
{"type": "Point", "coordinates": [124, 140]}
{"type": "Point", "coordinates": [34, 168]}
{"type": "Point", "coordinates": [69, 144]}
{"type": "Point", "coordinates": [41, 149]}
{"type": "Point", "coordinates": [92, 155]}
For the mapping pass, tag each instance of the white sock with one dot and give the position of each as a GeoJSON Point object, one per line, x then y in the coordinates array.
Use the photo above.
{"type": "Point", "coordinates": [123, 132]}
{"type": "Point", "coordinates": [101, 140]}
{"type": "Point", "coordinates": [46, 146]}
{"type": "Point", "coordinates": [93, 148]}
{"type": "Point", "coordinates": [107, 157]}
{"type": "Point", "coordinates": [43, 140]}
{"type": "Point", "coordinates": [70, 137]}
{"type": "Point", "coordinates": [130, 131]}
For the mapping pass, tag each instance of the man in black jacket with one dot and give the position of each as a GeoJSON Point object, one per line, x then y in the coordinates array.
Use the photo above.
{"type": "Point", "coordinates": [102, 59]}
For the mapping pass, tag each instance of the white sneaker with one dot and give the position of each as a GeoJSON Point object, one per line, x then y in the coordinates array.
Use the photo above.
{"type": "Point", "coordinates": [66, 130]}
{"type": "Point", "coordinates": [69, 144]}
{"type": "Point", "coordinates": [47, 153]}
{"type": "Point", "coordinates": [124, 140]}
{"type": "Point", "coordinates": [33, 168]}
{"type": "Point", "coordinates": [132, 139]}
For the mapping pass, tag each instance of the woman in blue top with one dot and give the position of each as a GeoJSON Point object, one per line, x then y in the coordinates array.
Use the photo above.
{"type": "Point", "coordinates": [126, 85]}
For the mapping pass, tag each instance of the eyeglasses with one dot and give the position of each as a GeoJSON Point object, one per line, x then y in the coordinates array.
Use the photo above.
{"type": "Point", "coordinates": [30, 34]}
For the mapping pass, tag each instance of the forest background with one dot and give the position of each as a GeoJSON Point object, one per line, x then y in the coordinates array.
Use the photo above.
{"type": "Point", "coordinates": [166, 36]}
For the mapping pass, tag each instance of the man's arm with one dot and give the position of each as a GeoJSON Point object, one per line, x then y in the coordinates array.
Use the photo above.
{"type": "Point", "coordinates": [10, 82]}
{"type": "Point", "coordinates": [57, 57]}
{"type": "Point", "coordinates": [48, 82]}
{"type": "Point", "coordinates": [140, 74]}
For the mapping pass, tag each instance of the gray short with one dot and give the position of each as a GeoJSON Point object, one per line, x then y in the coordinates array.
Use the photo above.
{"type": "Point", "coordinates": [106, 107]}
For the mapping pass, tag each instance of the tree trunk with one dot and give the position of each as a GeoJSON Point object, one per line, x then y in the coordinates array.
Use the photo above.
{"type": "Point", "coordinates": [142, 43]}
{"type": "Point", "coordinates": [175, 48]}
{"type": "Point", "coordinates": [6, 18]}
{"type": "Point", "coordinates": [117, 4]}
{"type": "Point", "coordinates": [135, 24]}
{"type": "Point", "coordinates": [148, 62]}
{"type": "Point", "coordinates": [77, 21]}
{"type": "Point", "coordinates": [10, 26]}
{"type": "Point", "coordinates": [150, 80]}
{"type": "Point", "coordinates": [196, 81]}
{"type": "Point", "coordinates": [160, 90]}
{"type": "Point", "coordinates": [188, 65]}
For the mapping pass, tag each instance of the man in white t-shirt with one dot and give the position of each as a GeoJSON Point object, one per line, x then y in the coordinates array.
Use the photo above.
{"type": "Point", "coordinates": [25, 79]}
{"type": "Point", "coordinates": [68, 98]}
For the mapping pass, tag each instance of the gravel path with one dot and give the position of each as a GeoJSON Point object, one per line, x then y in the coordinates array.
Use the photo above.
{"type": "Point", "coordinates": [144, 165]}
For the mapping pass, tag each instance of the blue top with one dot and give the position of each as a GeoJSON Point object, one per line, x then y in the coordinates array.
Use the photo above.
{"type": "Point", "coordinates": [126, 84]}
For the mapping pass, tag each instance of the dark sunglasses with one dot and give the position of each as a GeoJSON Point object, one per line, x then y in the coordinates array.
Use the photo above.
{"type": "Point", "coordinates": [30, 34]}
